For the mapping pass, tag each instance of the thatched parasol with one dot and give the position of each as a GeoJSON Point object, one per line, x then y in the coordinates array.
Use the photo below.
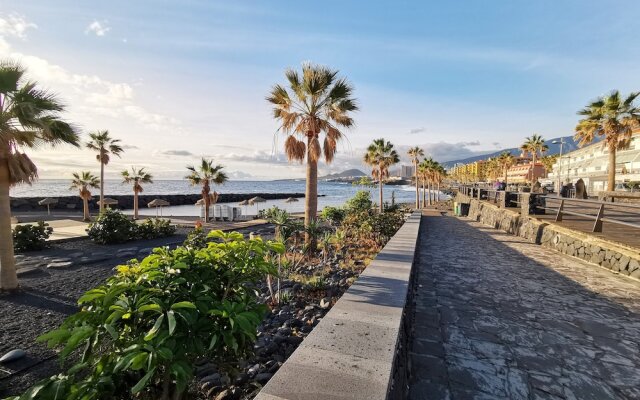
{"type": "Point", "coordinates": [256, 200]}
{"type": "Point", "coordinates": [158, 203]}
{"type": "Point", "coordinates": [244, 203]}
{"type": "Point", "coordinates": [108, 201]}
{"type": "Point", "coordinates": [291, 200]}
{"type": "Point", "coordinates": [48, 201]}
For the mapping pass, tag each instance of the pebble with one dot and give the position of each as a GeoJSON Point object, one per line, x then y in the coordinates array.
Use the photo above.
{"type": "Point", "coordinates": [13, 355]}
{"type": "Point", "coordinates": [325, 303]}
{"type": "Point", "coordinates": [263, 377]}
{"type": "Point", "coordinates": [60, 264]}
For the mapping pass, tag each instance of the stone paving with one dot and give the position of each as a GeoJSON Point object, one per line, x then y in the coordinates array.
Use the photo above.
{"type": "Point", "coordinates": [500, 318]}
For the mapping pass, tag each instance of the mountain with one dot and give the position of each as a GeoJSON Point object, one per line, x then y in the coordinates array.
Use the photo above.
{"type": "Point", "coordinates": [350, 173]}
{"type": "Point", "coordinates": [569, 145]}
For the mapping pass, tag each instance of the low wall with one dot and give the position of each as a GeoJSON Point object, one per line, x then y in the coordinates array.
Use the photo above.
{"type": "Point", "coordinates": [613, 256]}
{"type": "Point", "coordinates": [353, 353]}
{"type": "Point", "coordinates": [126, 201]}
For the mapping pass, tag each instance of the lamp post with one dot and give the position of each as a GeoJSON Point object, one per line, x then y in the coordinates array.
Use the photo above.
{"type": "Point", "coordinates": [561, 142]}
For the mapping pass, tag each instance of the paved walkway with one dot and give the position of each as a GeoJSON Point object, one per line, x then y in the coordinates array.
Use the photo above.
{"type": "Point", "coordinates": [500, 318]}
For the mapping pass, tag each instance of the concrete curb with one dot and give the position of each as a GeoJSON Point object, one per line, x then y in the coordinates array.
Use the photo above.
{"type": "Point", "coordinates": [351, 354]}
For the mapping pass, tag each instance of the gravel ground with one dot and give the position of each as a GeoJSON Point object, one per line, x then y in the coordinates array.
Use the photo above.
{"type": "Point", "coordinates": [49, 295]}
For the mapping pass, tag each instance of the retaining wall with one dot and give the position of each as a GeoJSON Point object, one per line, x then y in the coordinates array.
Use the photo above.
{"type": "Point", "coordinates": [355, 352]}
{"type": "Point", "coordinates": [616, 257]}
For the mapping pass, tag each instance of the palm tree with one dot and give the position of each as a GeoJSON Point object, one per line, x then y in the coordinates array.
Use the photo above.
{"type": "Point", "coordinates": [381, 155]}
{"type": "Point", "coordinates": [137, 177]}
{"type": "Point", "coordinates": [206, 174]}
{"type": "Point", "coordinates": [534, 145]}
{"type": "Point", "coordinates": [318, 102]}
{"type": "Point", "coordinates": [415, 153]}
{"type": "Point", "coordinates": [548, 162]}
{"type": "Point", "coordinates": [83, 181]}
{"type": "Point", "coordinates": [506, 160]}
{"type": "Point", "coordinates": [422, 173]}
{"type": "Point", "coordinates": [29, 118]}
{"type": "Point", "coordinates": [106, 146]}
{"type": "Point", "coordinates": [614, 118]}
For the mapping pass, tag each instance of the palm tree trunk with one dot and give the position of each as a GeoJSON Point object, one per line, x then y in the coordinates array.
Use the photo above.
{"type": "Point", "coordinates": [611, 173]}
{"type": "Point", "coordinates": [415, 168]}
{"type": "Point", "coordinates": [85, 208]}
{"type": "Point", "coordinates": [135, 204]}
{"type": "Point", "coordinates": [424, 195]}
{"type": "Point", "coordinates": [380, 186]}
{"type": "Point", "coordinates": [533, 168]}
{"type": "Point", "coordinates": [8, 276]}
{"type": "Point", "coordinates": [205, 200]}
{"type": "Point", "coordinates": [505, 175]}
{"type": "Point", "coordinates": [311, 197]}
{"type": "Point", "coordinates": [101, 186]}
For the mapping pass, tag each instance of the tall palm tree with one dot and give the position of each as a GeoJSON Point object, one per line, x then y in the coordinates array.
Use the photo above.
{"type": "Point", "coordinates": [506, 160]}
{"type": "Point", "coordinates": [83, 181]}
{"type": "Point", "coordinates": [534, 145]}
{"type": "Point", "coordinates": [422, 174]}
{"type": "Point", "coordinates": [317, 102]}
{"type": "Point", "coordinates": [106, 146]}
{"type": "Point", "coordinates": [137, 177]}
{"type": "Point", "coordinates": [548, 162]}
{"type": "Point", "coordinates": [381, 155]}
{"type": "Point", "coordinates": [614, 118]}
{"type": "Point", "coordinates": [429, 168]}
{"type": "Point", "coordinates": [206, 174]}
{"type": "Point", "coordinates": [415, 153]}
{"type": "Point", "coordinates": [30, 117]}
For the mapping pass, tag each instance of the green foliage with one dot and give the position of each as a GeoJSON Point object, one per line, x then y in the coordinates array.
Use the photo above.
{"type": "Point", "coordinates": [360, 202]}
{"type": "Point", "coordinates": [141, 331]}
{"type": "Point", "coordinates": [155, 228]}
{"type": "Point", "coordinates": [30, 237]}
{"type": "Point", "coordinates": [333, 215]}
{"type": "Point", "coordinates": [112, 227]}
{"type": "Point", "coordinates": [196, 239]}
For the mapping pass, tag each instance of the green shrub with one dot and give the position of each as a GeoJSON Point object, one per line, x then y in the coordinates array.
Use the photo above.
{"type": "Point", "coordinates": [30, 237]}
{"type": "Point", "coordinates": [196, 239]}
{"type": "Point", "coordinates": [145, 327]}
{"type": "Point", "coordinates": [112, 227]}
{"type": "Point", "coordinates": [333, 215]}
{"type": "Point", "coordinates": [360, 202]}
{"type": "Point", "coordinates": [155, 228]}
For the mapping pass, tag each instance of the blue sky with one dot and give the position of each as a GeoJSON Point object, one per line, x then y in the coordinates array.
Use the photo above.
{"type": "Point", "coordinates": [176, 80]}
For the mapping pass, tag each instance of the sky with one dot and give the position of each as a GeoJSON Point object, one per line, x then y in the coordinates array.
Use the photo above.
{"type": "Point", "coordinates": [181, 80]}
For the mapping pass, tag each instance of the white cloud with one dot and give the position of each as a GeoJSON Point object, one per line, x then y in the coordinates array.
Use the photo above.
{"type": "Point", "coordinates": [15, 25]}
{"type": "Point", "coordinates": [98, 28]}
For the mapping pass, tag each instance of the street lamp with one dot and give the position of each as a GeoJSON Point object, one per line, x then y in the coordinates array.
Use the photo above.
{"type": "Point", "coordinates": [561, 142]}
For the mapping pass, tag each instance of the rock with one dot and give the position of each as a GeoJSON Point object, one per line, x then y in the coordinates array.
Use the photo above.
{"type": "Point", "coordinates": [59, 265]}
{"type": "Point", "coordinates": [13, 355]}
{"type": "Point", "coordinates": [28, 271]}
{"type": "Point", "coordinates": [206, 370]}
{"type": "Point", "coordinates": [76, 254]}
{"type": "Point", "coordinates": [211, 381]}
{"type": "Point", "coordinates": [635, 274]}
{"type": "Point", "coordinates": [294, 340]}
{"type": "Point", "coordinates": [263, 377]}
{"type": "Point", "coordinates": [126, 254]}
{"type": "Point", "coordinates": [241, 379]}
{"type": "Point", "coordinates": [325, 303]}
{"type": "Point", "coordinates": [633, 265]}
{"type": "Point", "coordinates": [253, 371]}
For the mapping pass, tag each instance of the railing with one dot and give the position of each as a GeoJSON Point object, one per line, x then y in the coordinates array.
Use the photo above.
{"type": "Point", "coordinates": [598, 211]}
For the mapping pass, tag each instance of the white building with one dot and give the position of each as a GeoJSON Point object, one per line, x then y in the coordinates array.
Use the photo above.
{"type": "Point", "coordinates": [591, 164]}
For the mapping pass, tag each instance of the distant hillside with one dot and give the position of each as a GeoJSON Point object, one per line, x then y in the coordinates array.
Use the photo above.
{"type": "Point", "coordinates": [569, 145]}
{"type": "Point", "coordinates": [350, 173]}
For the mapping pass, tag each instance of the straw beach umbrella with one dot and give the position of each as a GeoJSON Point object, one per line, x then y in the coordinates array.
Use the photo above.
{"type": "Point", "coordinates": [158, 203]}
{"type": "Point", "coordinates": [244, 203]}
{"type": "Point", "coordinates": [108, 201]}
{"type": "Point", "coordinates": [291, 200]}
{"type": "Point", "coordinates": [256, 200]}
{"type": "Point", "coordinates": [48, 201]}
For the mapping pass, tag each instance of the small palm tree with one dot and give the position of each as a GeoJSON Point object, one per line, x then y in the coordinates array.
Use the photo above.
{"type": "Point", "coordinates": [415, 153]}
{"type": "Point", "coordinates": [137, 177]}
{"type": "Point", "coordinates": [548, 162]}
{"type": "Point", "coordinates": [83, 181]}
{"type": "Point", "coordinates": [534, 145]}
{"type": "Point", "coordinates": [206, 174]}
{"type": "Point", "coordinates": [105, 146]}
{"type": "Point", "coordinates": [380, 156]}
{"type": "Point", "coordinates": [317, 102]}
{"type": "Point", "coordinates": [506, 160]}
{"type": "Point", "coordinates": [29, 118]}
{"type": "Point", "coordinates": [614, 118]}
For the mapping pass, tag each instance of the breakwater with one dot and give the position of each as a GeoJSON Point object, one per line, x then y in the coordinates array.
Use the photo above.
{"type": "Point", "coordinates": [125, 202]}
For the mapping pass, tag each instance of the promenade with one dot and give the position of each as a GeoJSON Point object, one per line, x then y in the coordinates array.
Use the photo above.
{"type": "Point", "coordinates": [497, 317]}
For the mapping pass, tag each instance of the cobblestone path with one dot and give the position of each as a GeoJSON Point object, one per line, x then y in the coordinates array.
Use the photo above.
{"type": "Point", "coordinates": [500, 318]}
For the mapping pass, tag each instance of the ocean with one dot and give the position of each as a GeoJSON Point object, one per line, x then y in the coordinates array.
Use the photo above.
{"type": "Point", "coordinates": [333, 193]}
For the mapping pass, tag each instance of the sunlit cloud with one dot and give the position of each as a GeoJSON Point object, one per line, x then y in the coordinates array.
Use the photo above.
{"type": "Point", "coordinates": [98, 28]}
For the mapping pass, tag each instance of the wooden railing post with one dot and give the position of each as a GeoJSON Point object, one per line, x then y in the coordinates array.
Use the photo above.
{"type": "Point", "coordinates": [559, 214]}
{"type": "Point", "coordinates": [597, 227]}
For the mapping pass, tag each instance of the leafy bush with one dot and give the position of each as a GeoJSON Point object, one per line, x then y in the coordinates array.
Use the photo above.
{"type": "Point", "coordinates": [155, 228]}
{"type": "Point", "coordinates": [333, 215]}
{"type": "Point", "coordinates": [145, 327]}
{"type": "Point", "coordinates": [31, 237]}
{"type": "Point", "coordinates": [112, 227]}
{"type": "Point", "coordinates": [196, 239]}
{"type": "Point", "coordinates": [360, 202]}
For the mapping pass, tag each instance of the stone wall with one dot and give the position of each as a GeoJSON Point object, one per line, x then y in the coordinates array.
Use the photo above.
{"type": "Point", "coordinates": [616, 257]}
{"type": "Point", "coordinates": [126, 201]}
